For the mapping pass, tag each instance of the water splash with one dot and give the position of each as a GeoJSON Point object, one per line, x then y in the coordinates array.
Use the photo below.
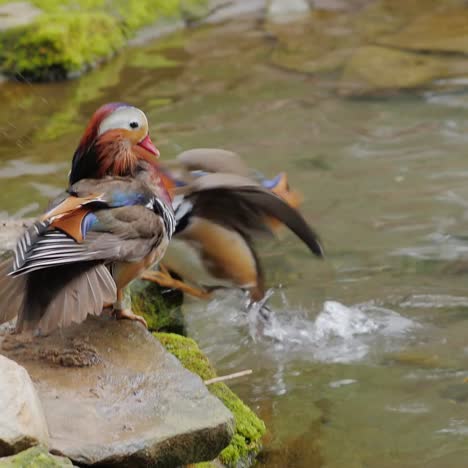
{"type": "Point", "coordinates": [338, 333]}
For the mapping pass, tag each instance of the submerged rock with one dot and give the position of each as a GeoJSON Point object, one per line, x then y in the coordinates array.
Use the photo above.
{"type": "Point", "coordinates": [320, 44]}
{"type": "Point", "coordinates": [36, 457]}
{"type": "Point", "coordinates": [112, 395]}
{"type": "Point", "coordinates": [437, 31]}
{"type": "Point", "coordinates": [22, 420]}
{"type": "Point", "coordinates": [387, 16]}
{"type": "Point", "coordinates": [375, 68]}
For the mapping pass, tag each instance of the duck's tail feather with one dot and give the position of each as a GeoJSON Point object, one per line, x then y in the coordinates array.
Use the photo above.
{"type": "Point", "coordinates": [60, 296]}
{"type": "Point", "coordinates": [11, 292]}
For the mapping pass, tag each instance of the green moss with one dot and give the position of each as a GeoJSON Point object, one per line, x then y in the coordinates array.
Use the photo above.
{"type": "Point", "coordinates": [160, 308]}
{"type": "Point", "coordinates": [35, 457]}
{"type": "Point", "coordinates": [59, 45]}
{"type": "Point", "coordinates": [137, 13]}
{"type": "Point", "coordinates": [72, 36]}
{"type": "Point", "coordinates": [246, 442]}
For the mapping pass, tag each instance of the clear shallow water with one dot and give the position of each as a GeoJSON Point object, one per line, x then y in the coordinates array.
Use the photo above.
{"type": "Point", "coordinates": [363, 363]}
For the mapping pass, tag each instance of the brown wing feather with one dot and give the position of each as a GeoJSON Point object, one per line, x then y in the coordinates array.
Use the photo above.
{"type": "Point", "coordinates": [61, 296]}
{"type": "Point", "coordinates": [275, 207]}
{"type": "Point", "coordinates": [243, 204]}
{"type": "Point", "coordinates": [11, 292]}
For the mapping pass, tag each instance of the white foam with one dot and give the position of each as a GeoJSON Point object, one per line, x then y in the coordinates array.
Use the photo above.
{"type": "Point", "coordinates": [338, 333]}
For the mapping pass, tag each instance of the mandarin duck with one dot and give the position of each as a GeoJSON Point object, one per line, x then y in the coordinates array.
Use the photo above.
{"type": "Point", "coordinates": [220, 210]}
{"type": "Point", "coordinates": [97, 236]}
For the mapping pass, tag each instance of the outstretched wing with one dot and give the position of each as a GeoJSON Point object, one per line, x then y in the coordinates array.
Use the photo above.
{"type": "Point", "coordinates": [238, 202]}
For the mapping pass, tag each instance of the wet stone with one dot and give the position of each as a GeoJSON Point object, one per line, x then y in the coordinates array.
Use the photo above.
{"type": "Point", "coordinates": [22, 420]}
{"type": "Point", "coordinates": [112, 395]}
{"type": "Point", "coordinates": [376, 69]}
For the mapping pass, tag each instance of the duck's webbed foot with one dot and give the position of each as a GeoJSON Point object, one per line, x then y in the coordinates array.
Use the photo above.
{"type": "Point", "coordinates": [122, 309]}
{"type": "Point", "coordinates": [127, 314]}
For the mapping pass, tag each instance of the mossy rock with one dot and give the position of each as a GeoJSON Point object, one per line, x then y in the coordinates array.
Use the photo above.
{"type": "Point", "coordinates": [246, 442]}
{"type": "Point", "coordinates": [375, 69]}
{"type": "Point", "coordinates": [73, 36]}
{"type": "Point", "coordinates": [57, 46]}
{"type": "Point", "coordinates": [35, 457]}
{"type": "Point", "coordinates": [160, 307]}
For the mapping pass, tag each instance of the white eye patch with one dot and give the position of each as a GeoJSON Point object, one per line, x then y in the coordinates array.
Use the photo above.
{"type": "Point", "coordinates": [127, 118]}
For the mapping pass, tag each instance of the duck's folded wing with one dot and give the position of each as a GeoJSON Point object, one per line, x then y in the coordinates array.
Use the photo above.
{"type": "Point", "coordinates": [119, 234]}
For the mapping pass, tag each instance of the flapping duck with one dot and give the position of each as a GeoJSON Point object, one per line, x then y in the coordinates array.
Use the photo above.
{"type": "Point", "coordinates": [221, 208]}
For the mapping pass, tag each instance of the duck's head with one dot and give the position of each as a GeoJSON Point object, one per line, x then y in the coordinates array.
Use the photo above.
{"type": "Point", "coordinates": [115, 140]}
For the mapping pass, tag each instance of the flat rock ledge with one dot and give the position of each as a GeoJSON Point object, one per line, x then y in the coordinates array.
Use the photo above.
{"type": "Point", "coordinates": [113, 396]}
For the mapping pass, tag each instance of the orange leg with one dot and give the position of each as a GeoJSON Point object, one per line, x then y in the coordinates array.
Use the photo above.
{"type": "Point", "coordinates": [163, 278]}
{"type": "Point", "coordinates": [127, 314]}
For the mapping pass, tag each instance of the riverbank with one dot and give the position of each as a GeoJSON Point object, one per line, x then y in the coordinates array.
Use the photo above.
{"type": "Point", "coordinates": [50, 40]}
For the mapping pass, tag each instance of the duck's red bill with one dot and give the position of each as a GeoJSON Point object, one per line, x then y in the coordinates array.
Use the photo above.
{"type": "Point", "coordinates": [149, 146]}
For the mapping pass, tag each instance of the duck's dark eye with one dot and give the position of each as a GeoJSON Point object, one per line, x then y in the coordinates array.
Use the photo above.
{"type": "Point", "coordinates": [134, 124]}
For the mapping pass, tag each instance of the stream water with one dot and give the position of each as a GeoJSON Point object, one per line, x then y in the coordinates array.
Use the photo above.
{"type": "Point", "coordinates": [364, 360]}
